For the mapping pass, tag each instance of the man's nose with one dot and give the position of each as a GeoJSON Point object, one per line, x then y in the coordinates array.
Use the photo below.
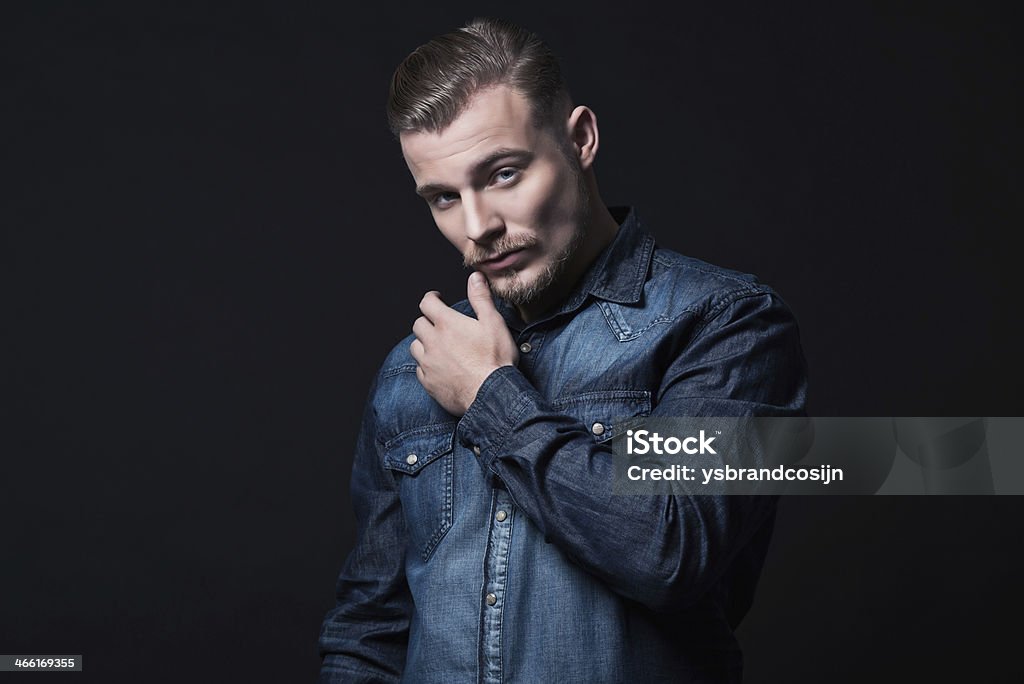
{"type": "Point", "coordinates": [482, 223]}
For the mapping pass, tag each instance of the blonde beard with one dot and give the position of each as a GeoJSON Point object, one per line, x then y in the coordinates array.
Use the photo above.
{"type": "Point", "coordinates": [513, 289]}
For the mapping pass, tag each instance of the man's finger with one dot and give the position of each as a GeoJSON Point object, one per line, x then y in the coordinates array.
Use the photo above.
{"type": "Point", "coordinates": [433, 307]}
{"type": "Point", "coordinates": [479, 293]}
{"type": "Point", "coordinates": [416, 349]}
{"type": "Point", "coordinates": [422, 328]}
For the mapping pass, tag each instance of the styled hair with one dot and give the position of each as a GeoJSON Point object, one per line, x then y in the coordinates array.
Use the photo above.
{"type": "Point", "coordinates": [434, 84]}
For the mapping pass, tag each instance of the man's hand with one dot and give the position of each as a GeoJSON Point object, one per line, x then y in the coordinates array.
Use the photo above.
{"type": "Point", "coordinates": [455, 353]}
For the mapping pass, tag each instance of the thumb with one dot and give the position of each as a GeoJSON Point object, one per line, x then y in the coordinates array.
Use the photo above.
{"type": "Point", "coordinates": [479, 293]}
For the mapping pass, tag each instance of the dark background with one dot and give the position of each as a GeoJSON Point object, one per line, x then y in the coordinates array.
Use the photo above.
{"type": "Point", "coordinates": [210, 242]}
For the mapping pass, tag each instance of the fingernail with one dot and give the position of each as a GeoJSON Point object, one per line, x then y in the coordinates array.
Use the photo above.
{"type": "Point", "coordinates": [477, 279]}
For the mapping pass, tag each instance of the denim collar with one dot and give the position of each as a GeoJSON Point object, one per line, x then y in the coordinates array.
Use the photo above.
{"type": "Point", "coordinates": [616, 275]}
{"type": "Point", "coordinates": [619, 272]}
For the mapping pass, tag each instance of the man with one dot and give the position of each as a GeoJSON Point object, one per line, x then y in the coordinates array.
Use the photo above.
{"type": "Point", "coordinates": [490, 546]}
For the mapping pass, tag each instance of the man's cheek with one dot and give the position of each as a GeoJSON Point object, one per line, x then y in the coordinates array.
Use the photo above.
{"type": "Point", "coordinates": [554, 208]}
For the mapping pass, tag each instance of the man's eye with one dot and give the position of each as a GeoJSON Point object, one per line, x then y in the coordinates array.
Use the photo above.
{"type": "Point", "coordinates": [443, 199]}
{"type": "Point", "coordinates": [505, 175]}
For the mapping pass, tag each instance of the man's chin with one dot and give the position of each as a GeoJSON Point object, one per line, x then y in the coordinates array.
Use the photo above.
{"type": "Point", "coordinates": [512, 286]}
{"type": "Point", "coordinates": [520, 287]}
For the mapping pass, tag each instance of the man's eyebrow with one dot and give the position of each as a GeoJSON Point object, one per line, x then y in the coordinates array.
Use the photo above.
{"type": "Point", "coordinates": [524, 156]}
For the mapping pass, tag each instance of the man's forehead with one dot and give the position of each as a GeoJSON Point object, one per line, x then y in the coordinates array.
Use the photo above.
{"type": "Point", "coordinates": [495, 117]}
{"type": "Point", "coordinates": [425, 152]}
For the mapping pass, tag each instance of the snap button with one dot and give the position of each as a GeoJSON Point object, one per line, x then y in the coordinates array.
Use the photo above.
{"type": "Point", "coordinates": [597, 429]}
{"type": "Point", "coordinates": [525, 347]}
{"type": "Point", "coordinates": [411, 459]}
{"type": "Point", "coordinates": [476, 450]}
{"type": "Point", "coordinates": [491, 599]}
{"type": "Point", "coordinates": [500, 516]}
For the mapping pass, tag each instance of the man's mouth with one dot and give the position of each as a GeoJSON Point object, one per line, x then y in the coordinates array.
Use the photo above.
{"type": "Point", "coordinates": [503, 260]}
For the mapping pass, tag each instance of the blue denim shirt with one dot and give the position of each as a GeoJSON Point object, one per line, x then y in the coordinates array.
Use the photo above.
{"type": "Point", "coordinates": [491, 548]}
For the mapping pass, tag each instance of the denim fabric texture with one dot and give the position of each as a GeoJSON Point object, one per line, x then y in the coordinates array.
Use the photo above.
{"type": "Point", "coordinates": [491, 549]}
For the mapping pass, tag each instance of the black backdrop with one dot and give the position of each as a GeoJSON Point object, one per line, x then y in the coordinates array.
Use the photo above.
{"type": "Point", "coordinates": [210, 242]}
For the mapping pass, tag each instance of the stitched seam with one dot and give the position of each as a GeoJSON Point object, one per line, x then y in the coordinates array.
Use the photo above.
{"type": "Point", "coordinates": [398, 370]}
{"type": "Point", "coordinates": [601, 394]}
{"type": "Point", "coordinates": [504, 595]}
{"type": "Point", "coordinates": [446, 513]}
{"type": "Point", "coordinates": [716, 311]}
{"type": "Point", "coordinates": [734, 295]}
{"type": "Point", "coordinates": [660, 320]}
{"type": "Point", "coordinates": [611, 320]}
{"type": "Point", "coordinates": [439, 428]}
{"type": "Point", "coordinates": [641, 268]}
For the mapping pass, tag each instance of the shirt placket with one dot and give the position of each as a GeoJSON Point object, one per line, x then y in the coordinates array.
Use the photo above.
{"type": "Point", "coordinates": [495, 592]}
{"type": "Point", "coordinates": [529, 347]}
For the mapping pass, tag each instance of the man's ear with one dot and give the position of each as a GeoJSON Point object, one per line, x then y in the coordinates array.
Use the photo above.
{"type": "Point", "coordinates": [583, 133]}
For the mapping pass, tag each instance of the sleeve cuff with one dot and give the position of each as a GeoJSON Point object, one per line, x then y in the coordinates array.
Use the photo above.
{"type": "Point", "coordinates": [499, 403]}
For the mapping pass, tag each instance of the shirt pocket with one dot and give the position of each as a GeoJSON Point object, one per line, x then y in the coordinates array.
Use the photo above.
{"type": "Point", "coordinates": [422, 461]}
{"type": "Point", "coordinates": [606, 413]}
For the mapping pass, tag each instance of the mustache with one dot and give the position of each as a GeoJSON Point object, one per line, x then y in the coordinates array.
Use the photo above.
{"type": "Point", "coordinates": [503, 245]}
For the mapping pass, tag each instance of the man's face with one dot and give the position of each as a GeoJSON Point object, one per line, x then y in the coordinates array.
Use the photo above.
{"type": "Point", "coordinates": [503, 192]}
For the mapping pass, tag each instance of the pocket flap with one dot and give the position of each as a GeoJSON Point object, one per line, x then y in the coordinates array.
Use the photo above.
{"type": "Point", "coordinates": [410, 451]}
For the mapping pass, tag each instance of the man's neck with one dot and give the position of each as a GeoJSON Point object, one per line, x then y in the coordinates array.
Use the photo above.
{"type": "Point", "coordinates": [601, 231]}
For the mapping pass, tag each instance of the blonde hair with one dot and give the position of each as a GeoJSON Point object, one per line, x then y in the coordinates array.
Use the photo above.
{"type": "Point", "coordinates": [434, 84]}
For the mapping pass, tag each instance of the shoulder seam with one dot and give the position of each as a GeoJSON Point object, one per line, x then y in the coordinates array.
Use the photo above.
{"type": "Point", "coordinates": [726, 302]}
{"type": "Point", "coordinates": [719, 272]}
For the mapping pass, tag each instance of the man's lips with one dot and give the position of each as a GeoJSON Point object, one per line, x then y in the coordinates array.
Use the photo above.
{"type": "Point", "coordinates": [504, 260]}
